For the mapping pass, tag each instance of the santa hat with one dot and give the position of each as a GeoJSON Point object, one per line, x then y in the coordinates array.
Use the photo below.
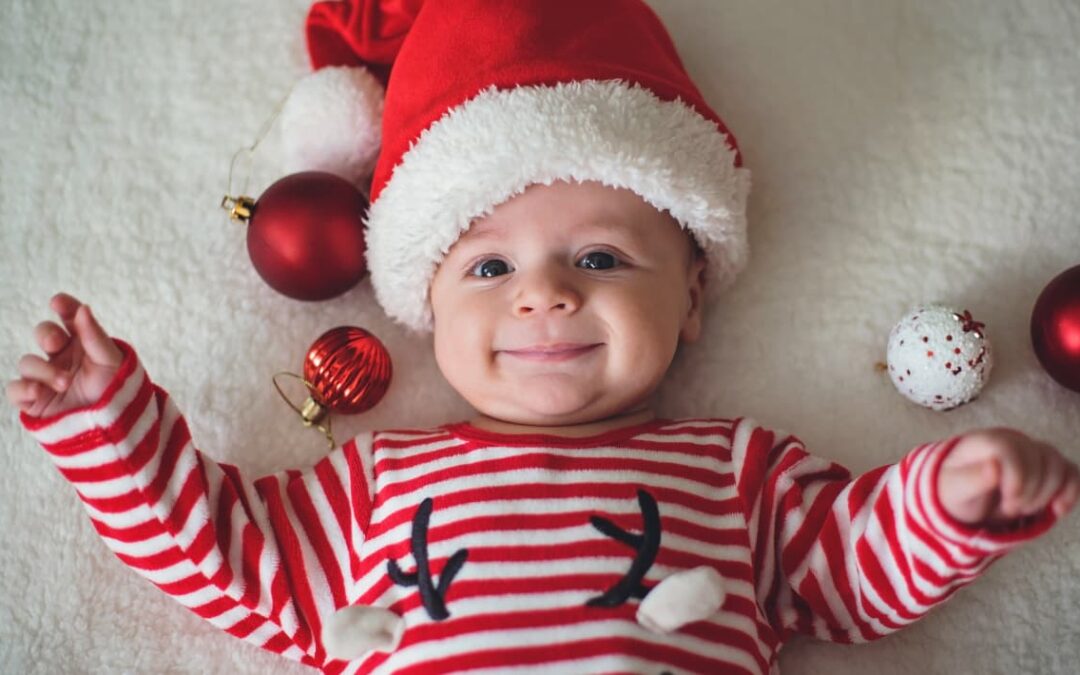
{"type": "Point", "coordinates": [486, 97]}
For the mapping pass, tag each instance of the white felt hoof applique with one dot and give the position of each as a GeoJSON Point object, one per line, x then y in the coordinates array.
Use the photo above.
{"type": "Point", "coordinates": [354, 631]}
{"type": "Point", "coordinates": [682, 598]}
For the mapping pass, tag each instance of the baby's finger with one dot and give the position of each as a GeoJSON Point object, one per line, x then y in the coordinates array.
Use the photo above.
{"type": "Point", "coordinates": [1057, 471]}
{"type": "Point", "coordinates": [33, 367]}
{"type": "Point", "coordinates": [1069, 494]}
{"type": "Point", "coordinates": [1012, 481]}
{"type": "Point", "coordinates": [51, 337]}
{"type": "Point", "coordinates": [97, 343]}
{"type": "Point", "coordinates": [23, 394]}
{"type": "Point", "coordinates": [66, 306]}
{"type": "Point", "coordinates": [1036, 458]}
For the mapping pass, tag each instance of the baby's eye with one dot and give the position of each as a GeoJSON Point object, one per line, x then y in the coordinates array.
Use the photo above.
{"type": "Point", "coordinates": [490, 267]}
{"type": "Point", "coordinates": [599, 260]}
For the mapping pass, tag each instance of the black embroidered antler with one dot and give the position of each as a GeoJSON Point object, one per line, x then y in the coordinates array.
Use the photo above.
{"type": "Point", "coordinates": [646, 545]}
{"type": "Point", "coordinates": [433, 598]}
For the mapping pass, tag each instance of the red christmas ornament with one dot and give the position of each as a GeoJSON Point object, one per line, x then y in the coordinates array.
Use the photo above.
{"type": "Point", "coordinates": [1055, 328]}
{"type": "Point", "coordinates": [305, 234]}
{"type": "Point", "coordinates": [346, 370]}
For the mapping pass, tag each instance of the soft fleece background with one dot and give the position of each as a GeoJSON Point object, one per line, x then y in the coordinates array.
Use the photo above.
{"type": "Point", "coordinates": [901, 152]}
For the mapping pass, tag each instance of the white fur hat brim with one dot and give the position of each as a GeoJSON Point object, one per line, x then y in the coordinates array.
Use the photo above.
{"type": "Point", "coordinates": [495, 145]}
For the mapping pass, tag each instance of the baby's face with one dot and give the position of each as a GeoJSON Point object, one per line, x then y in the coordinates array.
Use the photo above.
{"type": "Point", "coordinates": [565, 305]}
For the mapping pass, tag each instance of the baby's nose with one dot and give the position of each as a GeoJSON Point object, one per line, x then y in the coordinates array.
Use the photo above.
{"type": "Point", "coordinates": [546, 294]}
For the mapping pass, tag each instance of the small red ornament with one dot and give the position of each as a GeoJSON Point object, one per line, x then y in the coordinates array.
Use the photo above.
{"type": "Point", "coordinates": [346, 370]}
{"type": "Point", "coordinates": [305, 234]}
{"type": "Point", "coordinates": [1055, 328]}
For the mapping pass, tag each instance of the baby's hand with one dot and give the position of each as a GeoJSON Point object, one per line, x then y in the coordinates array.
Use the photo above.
{"type": "Point", "coordinates": [82, 362]}
{"type": "Point", "coordinates": [995, 476]}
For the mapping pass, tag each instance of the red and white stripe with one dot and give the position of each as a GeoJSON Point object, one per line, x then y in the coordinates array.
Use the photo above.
{"type": "Point", "coordinates": [803, 547]}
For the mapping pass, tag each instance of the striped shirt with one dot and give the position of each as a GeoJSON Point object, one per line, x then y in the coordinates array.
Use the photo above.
{"type": "Point", "coordinates": [548, 526]}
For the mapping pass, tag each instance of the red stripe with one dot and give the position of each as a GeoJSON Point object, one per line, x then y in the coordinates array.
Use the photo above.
{"type": "Point", "coordinates": [131, 534]}
{"type": "Point", "coordinates": [118, 504]}
{"type": "Point", "coordinates": [222, 519]}
{"type": "Point", "coordinates": [155, 561]}
{"type": "Point", "coordinates": [358, 486]}
{"type": "Point", "coordinates": [246, 626]}
{"type": "Point", "coordinates": [218, 605]}
{"type": "Point", "coordinates": [251, 550]}
{"type": "Point", "coordinates": [278, 643]}
{"type": "Point", "coordinates": [190, 584]}
{"type": "Point", "coordinates": [96, 474]}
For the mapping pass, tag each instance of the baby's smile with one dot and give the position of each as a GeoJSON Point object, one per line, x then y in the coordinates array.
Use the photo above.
{"type": "Point", "coordinates": [563, 351]}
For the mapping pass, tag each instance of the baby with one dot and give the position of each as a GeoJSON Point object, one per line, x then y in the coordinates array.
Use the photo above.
{"type": "Point", "coordinates": [565, 528]}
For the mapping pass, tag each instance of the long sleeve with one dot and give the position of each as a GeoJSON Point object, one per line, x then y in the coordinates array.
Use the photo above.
{"type": "Point", "coordinates": [851, 560]}
{"type": "Point", "coordinates": [265, 561]}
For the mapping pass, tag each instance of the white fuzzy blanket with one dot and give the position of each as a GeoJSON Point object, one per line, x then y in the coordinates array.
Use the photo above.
{"type": "Point", "coordinates": [901, 151]}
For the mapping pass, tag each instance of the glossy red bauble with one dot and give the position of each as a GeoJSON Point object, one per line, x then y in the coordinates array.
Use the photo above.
{"type": "Point", "coordinates": [1055, 328]}
{"type": "Point", "coordinates": [349, 370]}
{"type": "Point", "coordinates": [306, 237]}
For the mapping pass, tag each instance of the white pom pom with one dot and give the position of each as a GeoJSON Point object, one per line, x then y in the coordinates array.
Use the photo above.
{"type": "Point", "coordinates": [682, 598]}
{"type": "Point", "coordinates": [939, 357]}
{"type": "Point", "coordinates": [332, 122]}
{"type": "Point", "coordinates": [354, 631]}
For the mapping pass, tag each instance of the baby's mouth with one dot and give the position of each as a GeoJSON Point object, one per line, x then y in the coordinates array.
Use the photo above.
{"type": "Point", "coordinates": [553, 352]}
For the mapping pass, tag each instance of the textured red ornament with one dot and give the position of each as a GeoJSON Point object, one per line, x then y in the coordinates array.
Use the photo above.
{"type": "Point", "coordinates": [1055, 328]}
{"type": "Point", "coordinates": [349, 369]}
{"type": "Point", "coordinates": [306, 236]}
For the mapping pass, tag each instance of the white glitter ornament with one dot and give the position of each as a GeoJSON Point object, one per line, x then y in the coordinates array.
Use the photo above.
{"type": "Point", "coordinates": [939, 357]}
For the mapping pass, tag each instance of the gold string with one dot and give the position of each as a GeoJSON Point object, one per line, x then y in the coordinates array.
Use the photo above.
{"type": "Point", "coordinates": [250, 150]}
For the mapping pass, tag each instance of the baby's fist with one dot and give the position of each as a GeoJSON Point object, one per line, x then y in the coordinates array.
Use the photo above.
{"type": "Point", "coordinates": [995, 476]}
{"type": "Point", "coordinates": [82, 361]}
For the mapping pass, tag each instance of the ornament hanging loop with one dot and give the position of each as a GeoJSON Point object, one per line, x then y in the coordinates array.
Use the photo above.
{"type": "Point", "coordinates": [312, 413]}
{"type": "Point", "coordinates": [239, 208]}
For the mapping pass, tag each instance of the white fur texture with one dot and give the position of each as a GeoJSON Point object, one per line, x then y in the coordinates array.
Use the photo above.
{"type": "Point", "coordinates": [332, 121]}
{"type": "Point", "coordinates": [497, 144]}
{"type": "Point", "coordinates": [902, 152]}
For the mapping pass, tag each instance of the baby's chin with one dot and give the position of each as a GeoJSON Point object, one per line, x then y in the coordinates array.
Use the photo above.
{"type": "Point", "coordinates": [553, 407]}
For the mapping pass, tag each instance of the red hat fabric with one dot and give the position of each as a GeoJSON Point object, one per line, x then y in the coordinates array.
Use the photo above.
{"type": "Point", "coordinates": [486, 97]}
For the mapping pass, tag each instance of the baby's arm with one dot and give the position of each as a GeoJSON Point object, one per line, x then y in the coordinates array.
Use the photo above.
{"type": "Point", "coordinates": [851, 560]}
{"type": "Point", "coordinates": [266, 561]}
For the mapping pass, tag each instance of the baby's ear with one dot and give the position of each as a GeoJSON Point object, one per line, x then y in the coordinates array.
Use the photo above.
{"type": "Point", "coordinates": [695, 289]}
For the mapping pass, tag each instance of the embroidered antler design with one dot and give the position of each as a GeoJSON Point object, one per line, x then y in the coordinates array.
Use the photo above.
{"type": "Point", "coordinates": [646, 545]}
{"type": "Point", "coordinates": [433, 598]}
